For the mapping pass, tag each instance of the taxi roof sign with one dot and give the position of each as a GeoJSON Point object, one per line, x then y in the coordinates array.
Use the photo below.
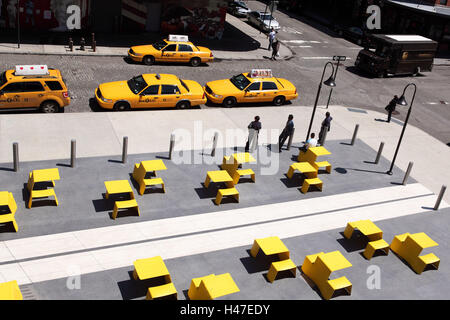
{"type": "Point", "coordinates": [31, 70]}
{"type": "Point", "coordinates": [177, 37]}
{"type": "Point", "coordinates": [261, 73]}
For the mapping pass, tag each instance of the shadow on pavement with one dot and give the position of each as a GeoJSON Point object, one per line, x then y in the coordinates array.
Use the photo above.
{"type": "Point", "coordinates": [259, 264]}
{"type": "Point", "coordinates": [356, 243]}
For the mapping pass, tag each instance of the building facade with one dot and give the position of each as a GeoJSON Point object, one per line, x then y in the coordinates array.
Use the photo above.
{"type": "Point", "coordinates": [203, 18]}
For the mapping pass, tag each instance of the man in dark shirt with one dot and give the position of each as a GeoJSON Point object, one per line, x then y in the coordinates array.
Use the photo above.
{"type": "Point", "coordinates": [287, 132]}
{"type": "Point", "coordinates": [391, 107]}
{"type": "Point", "coordinates": [256, 125]}
{"type": "Point", "coordinates": [326, 124]}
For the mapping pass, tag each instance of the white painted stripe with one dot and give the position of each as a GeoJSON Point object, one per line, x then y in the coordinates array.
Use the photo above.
{"type": "Point", "coordinates": [301, 223]}
{"type": "Point", "coordinates": [321, 58]}
{"type": "Point", "coordinates": [301, 46]}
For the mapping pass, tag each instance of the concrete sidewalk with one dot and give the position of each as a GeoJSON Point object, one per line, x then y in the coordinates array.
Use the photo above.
{"type": "Point", "coordinates": [47, 136]}
{"type": "Point", "coordinates": [258, 37]}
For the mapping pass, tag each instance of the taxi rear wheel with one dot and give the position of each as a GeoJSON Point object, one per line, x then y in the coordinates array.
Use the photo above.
{"type": "Point", "coordinates": [183, 105]}
{"type": "Point", "coordinates": [49, 107]}
{"type": "Point", "coordinates": [148, 60]}
{"type": "Point", "coordinates": [121, 106]}
{"type": "Point", "coordinates": [229, 102]}
{"type": "Point", "coordinates": [195, 62]}
{"type": "Point", "coordinates": [278, 101]}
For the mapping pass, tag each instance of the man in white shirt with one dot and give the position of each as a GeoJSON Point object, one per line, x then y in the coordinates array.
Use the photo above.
{"type": "Point", "coordinates": [272, 35]}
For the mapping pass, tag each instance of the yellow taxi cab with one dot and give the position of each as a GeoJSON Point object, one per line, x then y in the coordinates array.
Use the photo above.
{"type": "Point", "coordinates": [176, 49]}
{"type": "Point", "coordinates": [33, 86]}
{"type": "Point", "coordinates": [258, 85]}
{"type": "Point", "coordinates": [150, 91]}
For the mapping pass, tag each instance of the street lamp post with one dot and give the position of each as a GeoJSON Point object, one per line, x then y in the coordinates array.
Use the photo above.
{"type": "Point", "coordinates": [330, 82]}
{"type": "Point", "coordinates": [338, 59]}
{"type": "Point", "coordinates": [402, 101]}
{"type": "Point", "coordinates": [18, 24]}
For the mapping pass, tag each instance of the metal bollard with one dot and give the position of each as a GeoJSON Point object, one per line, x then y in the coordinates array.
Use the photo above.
{"type": "Point", "coordinates": [380, 150]}
{"type": "Point", "coordinates": [172, 144]}
{"type": "Point", "coordinates": [94, 46]}
{"type": "Point", "coordinates": [324, 136]}
{"type": "Point", "coordinates": [291, 137]}
{"type": "Point", "coordinates": [408, 171]}
{"type": "Point", "coordinates": [354, 134]}
{"type": "Point", "coordinates": [82, 44]}
{"type": "Point", "coordinates": [70, 44]}
{"type": "Point", "coordinates": [16, 156]}
{"type": "Point", "coordinates": [213, 151]}
{"type": "Point", "coordinates": [124, 149]}
{"type": "Point", "coordinates": [439, 198]}
{"type": "Point", "coordinates": [73, 150]}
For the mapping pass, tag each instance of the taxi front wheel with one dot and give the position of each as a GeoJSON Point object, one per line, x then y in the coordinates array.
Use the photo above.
{"type": "Point", "coordinates": [278, 101]}
{"type": "Point", "coordinates": [121, 106]}
{"type": "Point", "coordinates": [148, 60]}
{"type": "Point", "coordinates": [229, 102]}
{"type": "Point", "coordinates": [49, 107]}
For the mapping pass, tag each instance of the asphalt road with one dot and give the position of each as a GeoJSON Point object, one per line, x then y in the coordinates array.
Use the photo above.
{"type": "Point", "coordinates": [312, 44]}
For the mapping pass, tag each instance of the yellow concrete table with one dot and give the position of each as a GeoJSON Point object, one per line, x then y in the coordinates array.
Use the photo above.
{"type": "Point", "coordinates": [366, 227]}
{"type": "Point", "coordinates": [117, 187]}
{"type": "Point", "coordinates": [153, 165]}
{"type": "Point", "coordinates": [243, 157]}
{"type": "Point", "coordinates": [219, 176]}
{"type": "Point", "coordinates": [270, 246]}
{"type": "Point", "coordinates": [312, 154]}
{"type": "Point", "coordinates": [10, 291]}
{"type": "Point", "coordinates": [220, 285]}
{"type": "Point", "coordinates": [304, 167]}
{"type": "Point", "coordinates": [151, 268]}
{"type": "Point", "coordinates": [42, 175]}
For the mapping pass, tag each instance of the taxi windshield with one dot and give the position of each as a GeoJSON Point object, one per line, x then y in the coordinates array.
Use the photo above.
{"type": "Point", "coordinates": [240, 81]}
{"type": "Point", "coordinates": [137, 84]}
{"type": "Point", "coordinates": [184, 85]}
{"type": "Point", "coordinates": [159, 45]}
{"type": "Point", "coordinates": [3, 79]}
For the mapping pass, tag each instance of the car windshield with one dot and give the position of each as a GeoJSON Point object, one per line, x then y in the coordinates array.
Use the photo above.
{"type": "Point", "coordinates": [3, 79]}
{"type": "Point", "coordinates": [137, 84]}
{"type": "Point", "coordinates": [240, 81]}
{"type": "Point", "coordinates": [159, 45]}
{"type": "Point", "coordinates": [266, 17]}
{"type": "Point", "coordinates": [241, 4]}
{"type": "Point", "coordinates": [184, 85]}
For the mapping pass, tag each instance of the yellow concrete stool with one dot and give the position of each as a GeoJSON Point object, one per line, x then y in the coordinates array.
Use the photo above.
{"type": "Point", "coordinates": [227, 192]}
{"type": "Point", "coordinates": [322, 164]}
{"type": "Point", "coordinates": [373, 246]}
{"type": "Point", "coordinates": [310, 182]}
{"type": "Point", "coordinates": [41, 194]}
{"type": "Point", "coordinates": [165, 290]}
{"type": "Point", "coordinates": [126, 204]}
{"type": "Point", "coordinates": [279, 266]}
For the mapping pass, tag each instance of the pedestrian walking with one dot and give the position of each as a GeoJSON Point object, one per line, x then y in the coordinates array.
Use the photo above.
{"type": "Point", "coordinates": [391, 107]}
{"type": "Point", "coordinates": [272, 35]}
{"type": "Point", "coordinates": [287, 131]}
{"type": "Point", "coordinates": [275, 49]}
{"type": "Point", "coordinates": [253, 134]}
{"type": "Point", "coordinates": [326, 124]}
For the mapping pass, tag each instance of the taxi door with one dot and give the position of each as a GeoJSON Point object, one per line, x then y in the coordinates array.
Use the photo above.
{"type": "Point", "coordinates": [185, 52]}
{"type": "Point", "coordinates": [170, 95]}
{"type": "Point", "coordinates": [33, 93]}
{"type": "Point", "coordinates": [169, 53]}
{"type": "Point", "coordinates": [149, 97]}
{"type": "Point", "coordinates": [10, 96]}
{"type": "Point", "coordinates": [269, 91]}
{"type": "Point", "coordinates": [252, 92]}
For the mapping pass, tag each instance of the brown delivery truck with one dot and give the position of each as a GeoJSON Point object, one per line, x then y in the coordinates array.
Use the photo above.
{"type": "Point", "coordinates": [397, 54]}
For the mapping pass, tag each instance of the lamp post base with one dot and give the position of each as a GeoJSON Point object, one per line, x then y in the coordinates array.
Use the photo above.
{"type": "Point", "coordinates": [389, 173]}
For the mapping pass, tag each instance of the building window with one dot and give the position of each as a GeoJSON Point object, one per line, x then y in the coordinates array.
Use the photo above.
{"type": "Point", "coordinates": [443, 2]}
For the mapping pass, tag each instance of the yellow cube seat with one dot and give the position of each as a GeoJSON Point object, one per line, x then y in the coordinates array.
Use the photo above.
{"type": "Point", "coordinates": [161, 291]}
{"type": "Point", "coordinates": [322, 164]}
{"type": "Point", "coordinates": [338, 284]}
{"type": "Point", "coordinates": [151, 182]}
{"type": "Point", "coordinates": [279, 266]}
{"type": "Point", "coordinates": [311, 182]}
{"type": "Point", "coordinates": [429, 259]}
{"type": "Point", "coordinates": [126, 204]}
{"type": "Point", "coordinates": [193, 292]}
{"type": "Point", "coordinates": [41, 194]}
{"type": "Point", "coordinates": [372, 246]}
{"type": "Point", "coordinates": [227, 192]}
{"type": "Point", "coordinates": [243, 172]}
{"type": "Point", "coordinates": [10, 291]}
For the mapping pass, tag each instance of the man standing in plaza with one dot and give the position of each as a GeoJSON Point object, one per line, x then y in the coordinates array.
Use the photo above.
{"type": "Point", "coordinates": [254, 128]}
{"type": "Point", "coordinates": [326, 124]}
{"type": "Point", "coordinates": [272, 35]}
{"type": "Point", "coordinates": [287, 131]}
{"type": "Point", "coordinates": [391, 107]}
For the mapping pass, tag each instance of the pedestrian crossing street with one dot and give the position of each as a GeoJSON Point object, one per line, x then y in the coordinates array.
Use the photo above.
{"type": "Point", "coordinates": [49, 257]}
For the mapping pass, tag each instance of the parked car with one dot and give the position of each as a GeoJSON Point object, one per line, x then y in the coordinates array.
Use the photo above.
{"type": "Point", "coordinates": [238, 8]}
{"type": "Point", "coordinates": [263, 20]}
{"type": "Point", "coordinates": [354, 34]}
